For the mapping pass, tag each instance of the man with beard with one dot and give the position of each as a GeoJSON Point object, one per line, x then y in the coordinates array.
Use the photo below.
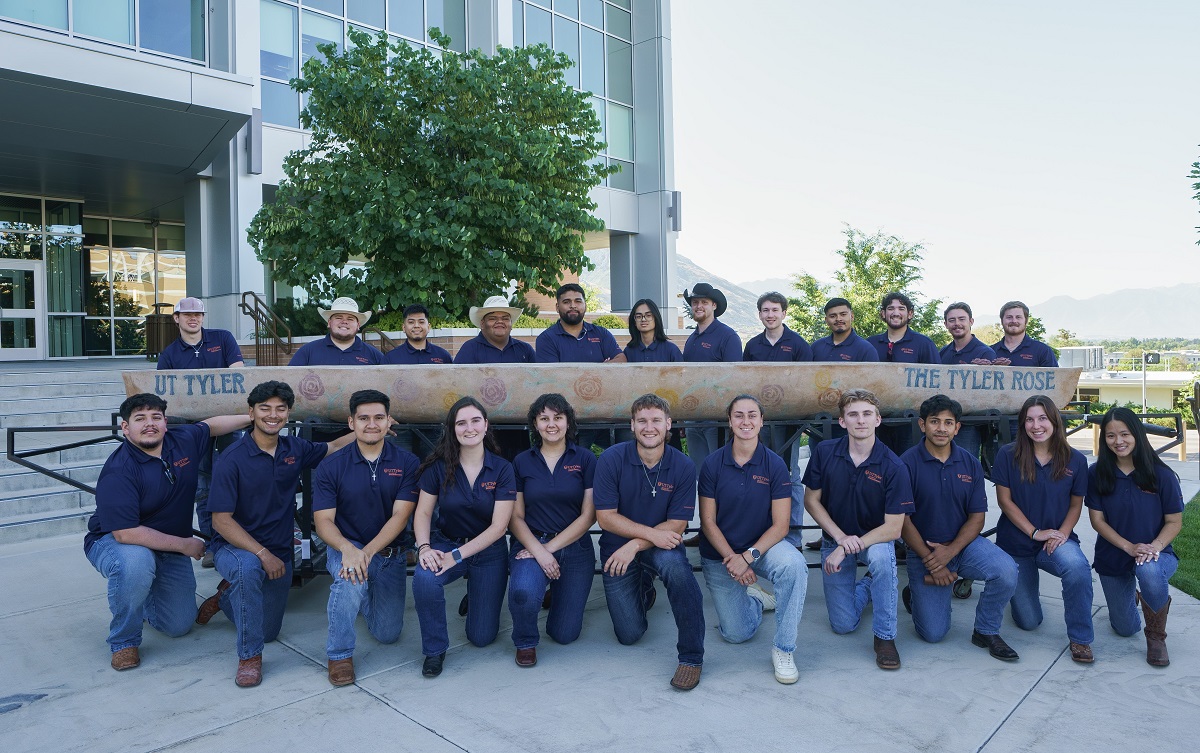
{"type": "Point", "coordinates": [963, 349]}
{"type": "Point", "coordinates": [1017, 348]}
{"type": "Point", "coordinates": [416, 348]}
{"type": "Point", "coordinates": [643, 534]}
{"type": "Point", "coordinates": [342, 346]}
{"type": "Point", "coordinates": [900, 344]}
{"type": "Point", "coordinates": [253, 505]}
{"type": "Point", "coordinates": [842, 344]}
{"type": "Point", "coordinates": [364, 495]}
{"type": "Point", "coordinates": [712, 341]}
{"type": "Point", "coordinates": [943, 538]}
{"type": "Point", "coordinates": [140, 536]}
{"type": "Point", "coordinates": [495, 343]}
{"type": "Point", "coordinates": [572, 339]}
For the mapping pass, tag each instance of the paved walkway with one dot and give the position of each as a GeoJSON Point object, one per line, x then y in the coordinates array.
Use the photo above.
{"type": "Point", "coordinates": [592, 695]}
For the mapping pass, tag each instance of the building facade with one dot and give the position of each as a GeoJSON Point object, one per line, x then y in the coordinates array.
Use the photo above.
{"type": "Point", "coordinates": [150, 132]}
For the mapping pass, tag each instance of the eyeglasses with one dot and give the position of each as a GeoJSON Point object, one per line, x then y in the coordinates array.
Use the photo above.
{"type": "Point", "coordinates": [167, 470]}
{"type": "Point", "coordinates": [643, 317]}
{"type": "Point", "coordinates": [890, 346]}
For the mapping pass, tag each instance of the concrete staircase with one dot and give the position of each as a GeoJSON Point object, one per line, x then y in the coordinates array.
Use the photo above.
{"type": "Point", "coordinates": [54, 394]}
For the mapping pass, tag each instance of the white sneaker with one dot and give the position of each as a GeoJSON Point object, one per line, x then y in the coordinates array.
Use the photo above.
{"type": "Point", "coordinates": [767, 600]}
{"type": "Point", "coordinates": [785, 667]}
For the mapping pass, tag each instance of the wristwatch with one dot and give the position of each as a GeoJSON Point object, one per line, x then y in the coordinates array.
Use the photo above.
{"type": "Point", "coordinates": [754, 555]}
{"type": "Point", "coordinates": [457, 555]}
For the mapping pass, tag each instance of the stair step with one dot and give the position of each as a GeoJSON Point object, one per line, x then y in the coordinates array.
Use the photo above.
{"type": "Point", "coordinates": [98, 418]}
{"type": "Point", "coordinates": [45, 502]}
{"type": "Point", "coordinates": [67, 388]}
{"type": "Point", "coordinates": [17, 480]}
{"type": "Point", "coordinates": [18, 528]}
{"type": "Point", "coordinates": [38, 406]}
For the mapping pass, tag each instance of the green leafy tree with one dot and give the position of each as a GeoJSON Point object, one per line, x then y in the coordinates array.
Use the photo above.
{"type": "Point", "coordinates": [451, 177]}
{"type": "Point", "coordinates": [1064, 338]}
{"type": "Point", "coordinates": [872, 266]}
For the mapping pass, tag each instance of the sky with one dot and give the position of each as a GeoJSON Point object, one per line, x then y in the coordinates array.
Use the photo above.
{"type": "Point", "coordinates": [1034, 148]}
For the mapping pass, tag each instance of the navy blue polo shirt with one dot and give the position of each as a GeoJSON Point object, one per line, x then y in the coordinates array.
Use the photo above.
{"type": "Point", "coordinates": [789, 347]}
{"type": "Point", "coordinates": [406, 355]}
{"type": "Point", "coordinates": [743, 494]}
{"type": "Point", "coordinates": [655, 352]}
{"type": "Point", "coordinates": [853, 348]}
{"type": "Point", "coordinates": [216, 350]}
{"type": "Point", "coordinates": [595, 344]}
{"type": "Point", "coordinates": [1135, 514]}
{"type": "Point", "coordinates": [260, 489]}
{"type": "Point", "coordinates": [1044, 502]}
{"type": "Point", "coordinates": [134, 490]}
{"type": "Point", "coordinates": [479, 350]}
{"type": "Point", "coordinates": [974, 349]}
{"type": "Point", "coordinates": [324, 353]}
{"type": "Point", "coordinates": [623, 484]}
{"type": "Point", "coordinates": [718, 342]}
{"type": "Point", "coordinates": [912, 348]}
{"type": "Point", "coordinates": [553, 499]}
{"type": "Point", "coordinates": [857, 497]}
{"type": "Point", "coordinates": [945, 493]}
{"type": "Point", "coordinates": [1029, 353]}
{"type": "Point", "coordinates": [463, 510]}
{"type": "Point", "coordinates": [363, 501]}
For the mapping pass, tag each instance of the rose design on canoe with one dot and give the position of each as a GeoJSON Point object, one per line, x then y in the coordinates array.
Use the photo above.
{"type": "Point", "coordinates": [311, 387]}
{"type": "Point", "coordinates": [449, 399]}
{"type": "Point", "coordinates": [690, 403]}
{"type": "Point", "coordinates": [405, 391]}
{"type": "Point", "coordinates": [589, 387]}
{"type": "Point", "coordinates": [671, 396]}
{"type": "Point", "coordinates": [828, 398]}
{"type": "Point", "coordinates": [772, 395]}
{"type": "Point", "coordinates": [493, 392]}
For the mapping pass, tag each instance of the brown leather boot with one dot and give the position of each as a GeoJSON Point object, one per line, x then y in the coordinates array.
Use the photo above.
{"type": "Point", "coordinates": [1156, 633]}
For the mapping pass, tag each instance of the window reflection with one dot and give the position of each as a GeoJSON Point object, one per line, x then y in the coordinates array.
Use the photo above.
{"type": "Point", "coordinates": [175, 27]}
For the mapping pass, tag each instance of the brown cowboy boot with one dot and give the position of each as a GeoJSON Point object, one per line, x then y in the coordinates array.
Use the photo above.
{"type": "Point", "coordinates": [1156, 633]}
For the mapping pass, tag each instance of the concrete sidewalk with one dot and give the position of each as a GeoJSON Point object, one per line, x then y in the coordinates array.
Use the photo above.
{"type": "Point", "coordinates": [595, 694]}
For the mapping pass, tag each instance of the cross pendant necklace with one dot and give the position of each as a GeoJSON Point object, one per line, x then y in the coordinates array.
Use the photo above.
{"type": "Point", "coordinates": [653, 484]}
{"type": "Point", "coordinates": [374, 467]}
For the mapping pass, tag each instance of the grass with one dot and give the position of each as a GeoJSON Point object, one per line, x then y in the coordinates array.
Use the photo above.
{"type": "Point", "coordinates": [1187, 548]}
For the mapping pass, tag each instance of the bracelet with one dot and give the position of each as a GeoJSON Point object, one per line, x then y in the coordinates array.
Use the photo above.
{"type": "Point", "coordinates": [422, 546]}
{"type": "Point", "coordinates": [260, 551]}
{"type": "Point", "coordinates": [1034, 533]}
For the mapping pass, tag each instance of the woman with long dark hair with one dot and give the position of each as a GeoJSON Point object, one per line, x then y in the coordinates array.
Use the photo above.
{"type": "Point", "coordinates": [549, 526]}
{"type": "Point", "coordinates": [1040, 485]}
{"type": "Point", "coordinates": [471, 488]}
{"type": "Point", "coordinates": [1136, 505]}
{"type": "Point", "coordinates": [648, 342]}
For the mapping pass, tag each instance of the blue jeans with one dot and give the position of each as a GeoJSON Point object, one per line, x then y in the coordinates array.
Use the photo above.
{"type": "Point", "coordinates": [846, 597]}
{"type": "Point", "coordinates": [1151, 579]}
{"type": "Point", "coordinates": [980, 560]}
{"type": "Point", "coordinates": [1068, 564]}
{"type": "Point", "coordinates": [253, 602]}
{"type": "Point", "coordinates": [702, 443]}
{"type": "Point", "coordinates": [627, 607]}
{"type": "Point", "coordinates": [380, 601]}
{"type": "Point", "coordinates": [795, 537]}
{"type": "Point", "coordinates": [568, 595]}
{"type": "Point", "coordinates": [739, 614]}
{"type": "Point", "coordinates": [488, 572]}
{"type": "Point", "coordinates": [144, 584]}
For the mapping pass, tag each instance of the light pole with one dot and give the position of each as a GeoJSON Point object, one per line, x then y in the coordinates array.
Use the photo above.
{"type": "Point", "coordinates": [1146, 359]}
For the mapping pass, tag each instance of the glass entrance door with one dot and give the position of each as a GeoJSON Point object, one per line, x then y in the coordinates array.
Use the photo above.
{"type": "Point", "coordinates": [22, 312]}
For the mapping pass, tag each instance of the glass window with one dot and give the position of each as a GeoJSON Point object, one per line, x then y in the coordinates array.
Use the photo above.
{"type": "Point", "coordinates": [567, 7]}
{"type": "Point", "coordinates": [407, 17]}
{"type": "Point", "coordinates": [20, 245]}
{"type": "Point", "coordinates": [451, 17]}
{"type": "Point", "coordinates": [172, 277]}
{"type": "Point", "coordinates": [16, 289]}
{"type": "Point", "coordinates": [623, 180]}
{"type": "Point", "coordinates": [97, 337]}
{"type": "Point", "coordinates": [566, 39]}
{"type": "Point", "coordinates": [329, 6]}
{"type": "Point", "coordinates": [623, 3]}
{"type": "Point", "coordinates": [599, 160]}
{"type": "Point", "coordinates": [64, 273]}
{"type": "Point", "coordinates": [620, 22]}
{"type": "Point", "coordinates": [63, 217]}
{"type": "Point", "coordinates": [171, 238]}
{"type": "Point", "coordinates": [598, 106]}
{"type": "Point", "coordinates": [367, 11]}
{"type": "Point", "coordinates": [43, 12]}
{"type": "Point", "coordinates": [96, 295]}
{"type": "Point", "coordinates": [591, 60]}
{"type": "Point", "coordinates": [173, 26]}
{"type": "Point", "coordinates": [64, 336]}
{"type": "Point", "coordinates": [106, 19]}
{"type": "Point", "coordinates": [537, 26]}
{"type": "Point", "coordinates": [17, 213]}
{"type": "Point", "coordinates": [620, 71]}
{"type": "Point", "coordinates": [133, 235]}
{"type": "Point", "coordinates": [318, 29]}
{"type": "Point", "coordinates": [592, 12]}
{"type": "Point", "coordinates": [95, 231]}
{"type": "Point", "coordinates": [130, 337]}
{"type": "Point", "coordinates": [132, 281]}
{"type": "Point", "coordinates": [18, 333]}
{"type": "Point", "coordinates": [620, 131]}
{"type": "Point", "coordinates": [518, 23]}
{"type": "Point", "coordinates": [277, 35]}
{"type": "Point", "coordinates": [279, 104]}
{"type": "Point", "coordinates": [543, 3]}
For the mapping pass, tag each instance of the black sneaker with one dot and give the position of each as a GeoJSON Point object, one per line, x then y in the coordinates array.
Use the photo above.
{"type": "Point", "coordinates": [433, 665]}
{"type": "Point", "coordinates": [906, 597]}
{"type": "Point", "coordinates": [463, 606]}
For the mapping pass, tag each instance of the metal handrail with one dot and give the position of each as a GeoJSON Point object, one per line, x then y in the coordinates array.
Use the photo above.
{"type": "Point", "coordinates": [272, 335]}
{"type": "Point", "coordinates": [385, 343]}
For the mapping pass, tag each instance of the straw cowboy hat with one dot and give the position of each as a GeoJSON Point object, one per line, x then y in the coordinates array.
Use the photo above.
{"type": "Point", "coordinates": [705, 290]}
{"type": "Point", "coordinates": [495, 303]}
{"type": "Point", "coordinates": [345, 306]}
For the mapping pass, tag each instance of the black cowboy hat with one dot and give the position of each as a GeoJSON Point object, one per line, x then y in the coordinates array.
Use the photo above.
{"type": "Point", "coordinates": [705, 290]}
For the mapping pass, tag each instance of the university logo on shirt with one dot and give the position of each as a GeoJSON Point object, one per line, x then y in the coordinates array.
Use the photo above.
{"type": "Point", "coordinates": [394, 472]}
{"type": "Point", "coordinates": [706, 345]}
{"type": "Point", "coordinates": [761, 479]}
{"type": "Point", "coordinates": [965, 478]}
{"type": "Point", "coordinates": [906, 351]}
{"type": "Point", "coordinates": [847, 357]}
{"type": "Point", "coordinates": [786, 348]}
{"type": "Point", "coordinates": [181, 462]}
{"type": "Point", "coordinates": [573, 468]}
{"type": "Point", "coordinates": [488, 485]}
{"type": "Point", "coordinates": [360, 359]}
{"type": "Point", "coordinates": [593, 339]}
{"type": "Point", "coordinates": [873, 476]}
{"type": "Point", "coordinates": [666, 487]}
{"type": "Point", "coordinates": [215, 349]}
{"type": "Point", "coordinates": [290, 460]}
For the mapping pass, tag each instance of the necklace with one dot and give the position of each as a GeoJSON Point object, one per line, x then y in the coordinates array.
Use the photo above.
{"type": "Point", "coordinates": [374, 466]}
{"type": "Point", "coordinates": [653, 484]}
